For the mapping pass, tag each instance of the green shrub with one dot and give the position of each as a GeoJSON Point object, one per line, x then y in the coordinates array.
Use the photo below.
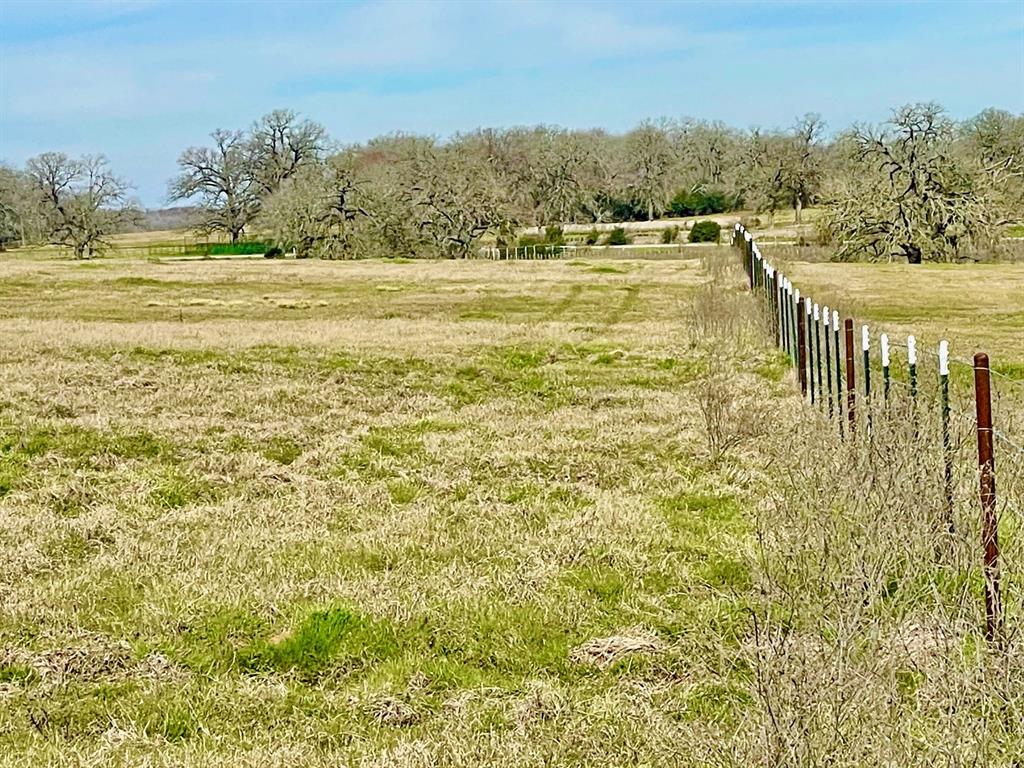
{"type": "Point", "coordinates": [592, 237]}
{"type": "Point", "coordinates": [669, 235]}
{"type": "Point", "coordinates": [553, 235]}
{"type": "Point", "coordinates": [622, 209]}
{"type": "Point", "coordinates": [698, 202]}
{"type": "Point", "coordinates": [618, 236]}
{"type": "Point", "coordinates": [706, 232]}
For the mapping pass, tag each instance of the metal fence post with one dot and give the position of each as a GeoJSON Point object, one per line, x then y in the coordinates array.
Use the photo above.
{"type": "Point", "coordinates": [828, 360]}
{"type": "Point", "coordinates": [884, 341]}
{"type": "Point", "coordinates": [851, 381]}
{"type": "Point", "coordinates": [801, 345]}
{"type": "Point", "coordinates": [989, 519]}
{"type": "Point", "coordinates": [947, 441]}
{"type": "Point", "coordinates": [839, 371]}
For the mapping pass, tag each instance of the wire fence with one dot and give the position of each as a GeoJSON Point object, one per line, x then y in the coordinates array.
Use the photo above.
{"type": "Point", "coordinates": [877, 390]}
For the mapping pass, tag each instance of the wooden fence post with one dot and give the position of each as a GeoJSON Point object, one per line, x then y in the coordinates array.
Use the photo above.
{"type": "Point", "coordinates": [989, 519]}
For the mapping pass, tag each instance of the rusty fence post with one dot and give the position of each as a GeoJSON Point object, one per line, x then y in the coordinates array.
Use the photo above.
{"type": "Point", "coordinates": [989, 518]}
{"type": "Point", "coordinates": [851, 381]}
{"type": "Point", "coordinates": [801, 344]}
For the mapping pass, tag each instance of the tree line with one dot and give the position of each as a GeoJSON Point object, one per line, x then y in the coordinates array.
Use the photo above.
{"type": "Point", "coordinates": [920, 186]}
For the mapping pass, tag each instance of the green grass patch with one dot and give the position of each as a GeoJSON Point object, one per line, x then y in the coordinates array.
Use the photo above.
{"type": "Point", "coordinates": [336, 639]}
{"type": "Point", "coordinates": [175, 489]}
{"type": "Point", "coordinates": [282, 449]}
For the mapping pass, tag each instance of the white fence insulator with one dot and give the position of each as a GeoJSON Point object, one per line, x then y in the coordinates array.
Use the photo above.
{"type": "Point", "coordinates": [944, 358]}
{"type": "Point", "coordinates": [911, 350]}
{"type": "Point", "coordinates": [884, 340]}
{"type": "Point", "coordinates": [865, 338]}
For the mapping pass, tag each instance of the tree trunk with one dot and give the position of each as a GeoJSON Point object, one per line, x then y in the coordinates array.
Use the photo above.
{"type": "Point", "coordinates": [913, 253]}
{"type": "Point", "coordinates": [799, 209]}
{"type": "Point", "coordinates": [650, 210]}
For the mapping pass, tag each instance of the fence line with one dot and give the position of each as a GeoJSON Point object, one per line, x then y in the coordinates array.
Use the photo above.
{"type": "Point", "coordinates": [798, 325]}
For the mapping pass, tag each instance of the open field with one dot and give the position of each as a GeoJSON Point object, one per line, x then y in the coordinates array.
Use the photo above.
{"type": "Point", "coordinates": [457, 513]}
{"type": "Point", "coordinates": [291, 512]}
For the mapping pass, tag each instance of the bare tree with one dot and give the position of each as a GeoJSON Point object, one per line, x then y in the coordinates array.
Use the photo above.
{"type": "Point", "coordinates": [12, 196]}
{"type": "Point", "coordinates": [280, 144]}
{"type": "Point", "coordinates": [911, 196]}
{"type": "Point", "coordinates": [992, 142]}
{"type": "Point", "coordinates": [804, 167]}
{"type": "Point", "coordinates": [650, 158]}
{"type": "Point", "coordinates": [766, 177]}
{"type": "Point", "coordinates": [455, 200]}
{"type": "Point", "coordinates": [78, 202]}
{"type": "Point", "coordinates": [223, 178]}
{"type": "Point", "coordinates": [314, 211]}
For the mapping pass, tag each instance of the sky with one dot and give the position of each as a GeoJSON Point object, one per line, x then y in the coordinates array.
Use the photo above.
{"type": "Point", "coordinates": [141, 81]}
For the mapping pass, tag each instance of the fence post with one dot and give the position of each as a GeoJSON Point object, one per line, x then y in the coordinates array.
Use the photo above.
{"type": "Point", "coordinates": [989, 519]}
{"type": "Point", "coordinates": [884, 341]}
{"type": "Point", "coordinates": [839, 371]}
{"type": "Point", "coordinates": [773, 301]}
{"type": "Point", "coordinates": [809, 317]}
{"type": "Point", "coordinates": [851, 381]}
{"type": "Point", "coordinates": [947, 442]}
{"type": "Point", "coordinates": [817, 350]}
{"type": "Point", "coordinates": [828, 361]}
{"type": "Point", "coordinates": [865, 342]}
{"type": "Point", "coordinates": [748, 255]}
{"type": "Point", "coordinates": [912, 366]}
{"type": "Point", "coordinates": [783, 325]}
{"type": "Point", "coordinates": [801, 344]}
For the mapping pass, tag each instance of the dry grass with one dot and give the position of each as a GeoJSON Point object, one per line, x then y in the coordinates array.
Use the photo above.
{"type": "Point", "coordinates": [461, 514]}
{"type": "Point", "coordinates": [361, 513]}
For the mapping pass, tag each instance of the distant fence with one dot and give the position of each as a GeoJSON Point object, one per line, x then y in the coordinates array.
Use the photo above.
{"type": "Point", "coordinates": [545, 251]}
{"type": "Point", "coordinates": [826, 352]}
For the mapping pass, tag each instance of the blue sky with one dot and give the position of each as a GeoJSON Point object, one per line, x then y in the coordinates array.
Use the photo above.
{"type": "Point", "coordinates": [140, 81]}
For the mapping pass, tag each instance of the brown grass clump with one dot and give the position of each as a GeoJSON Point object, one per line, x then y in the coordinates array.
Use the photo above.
{"type": "Point", "coordinates": [605, 651]}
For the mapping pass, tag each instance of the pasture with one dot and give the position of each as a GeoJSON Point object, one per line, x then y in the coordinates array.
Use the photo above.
{"type": "Point", "coordinates": [294, 512]}
{"type": "Point", "coordinates": [452, 513]}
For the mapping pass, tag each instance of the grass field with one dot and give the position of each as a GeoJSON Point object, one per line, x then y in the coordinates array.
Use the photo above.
{"type": "Point", "coordinates": [290, 512]}
{"type": "Point", "coordinates": [448, 513]}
